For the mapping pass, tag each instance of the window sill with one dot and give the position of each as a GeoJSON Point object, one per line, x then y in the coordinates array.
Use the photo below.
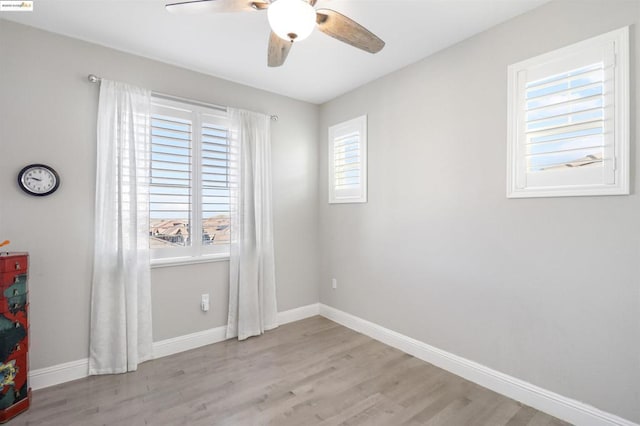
{"type": "Point", "coordinates": [188, 260]}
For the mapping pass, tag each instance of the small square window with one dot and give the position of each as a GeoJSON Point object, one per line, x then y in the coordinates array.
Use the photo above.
{"type": "Point", "coordinates": [569, 120]}
{"type": "Point", "coordinates": [348, 161]}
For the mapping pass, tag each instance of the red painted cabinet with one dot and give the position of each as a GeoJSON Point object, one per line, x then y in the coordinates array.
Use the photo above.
{"type": "Point", "coordinates": [15, 394]}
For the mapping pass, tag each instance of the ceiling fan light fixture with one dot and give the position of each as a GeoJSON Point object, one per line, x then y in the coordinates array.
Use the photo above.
{"type": "Point", "coordinates": [291, 20]}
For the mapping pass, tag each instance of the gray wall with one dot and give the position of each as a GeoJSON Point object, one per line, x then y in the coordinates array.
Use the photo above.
{"type": "Point", "coordinates": [48, 114]}
{"type": "Point", "coordinates": [546, 290]}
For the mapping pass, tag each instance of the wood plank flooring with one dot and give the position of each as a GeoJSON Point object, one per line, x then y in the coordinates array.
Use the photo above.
{"type": "Point", "coordinates": [311, 372]}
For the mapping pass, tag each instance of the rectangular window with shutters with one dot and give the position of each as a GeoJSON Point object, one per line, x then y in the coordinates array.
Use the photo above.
{"type": "Point", "coordinates": [348, 161]}
{"type": "Point", "coordinates": [189, 192]}
{"type": "Point", "coordinates": [569, 120]}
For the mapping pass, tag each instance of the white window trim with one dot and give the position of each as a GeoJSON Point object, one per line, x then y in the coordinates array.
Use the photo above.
{"type": "Point", "coordinates": [196, 253]}
{"type": "Point", "coordinates": [358, 124]}
{"type": "Point", "coordinates": [620, 38]}
{"type": "Point", "coordinates": [188, 260]}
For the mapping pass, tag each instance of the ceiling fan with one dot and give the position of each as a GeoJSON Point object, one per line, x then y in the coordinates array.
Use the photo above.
{"type": "Point", "coordinates": [291, 21]}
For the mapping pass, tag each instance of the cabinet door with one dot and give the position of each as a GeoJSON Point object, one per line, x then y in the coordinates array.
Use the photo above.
{"type": "Point", "coordinates": [13, 381]}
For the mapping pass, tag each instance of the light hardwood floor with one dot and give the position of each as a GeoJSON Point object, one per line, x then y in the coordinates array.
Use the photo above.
{"type": "Point", "coordinates": [311, 372]}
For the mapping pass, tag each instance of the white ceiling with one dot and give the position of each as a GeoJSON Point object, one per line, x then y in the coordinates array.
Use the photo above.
{"type": "Point", "coordinates": [233, 46]}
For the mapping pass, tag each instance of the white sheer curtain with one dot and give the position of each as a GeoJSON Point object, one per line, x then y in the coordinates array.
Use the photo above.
{"type": "Point", "coordinates": [120, 333]}
{"type": "Point", "coordinates": [252, 286]}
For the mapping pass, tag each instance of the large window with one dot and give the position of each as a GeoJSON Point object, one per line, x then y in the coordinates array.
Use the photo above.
{"type": "Point", "coordinates": [569, 120]}
{"type": "Point", "coordinates": [348, 161]}
{"type": "Point", "coordinates": [190, 170]}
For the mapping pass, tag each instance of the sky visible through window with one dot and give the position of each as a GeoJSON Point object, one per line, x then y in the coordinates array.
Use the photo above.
{"type": "Point", "coordinates": [564, 120]}
{"type": "Point", "coordinates": [347, 161]}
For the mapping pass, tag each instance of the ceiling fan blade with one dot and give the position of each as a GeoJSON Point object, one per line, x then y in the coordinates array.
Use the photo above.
{"type": "Point", "coordinates": [260, 5]}
{"type": "Point", "coordinates": [347, 30]}
{"type": "Point", "coordinates": [278, 50]}
{"type": "Point", "coordinates": [211, 6]}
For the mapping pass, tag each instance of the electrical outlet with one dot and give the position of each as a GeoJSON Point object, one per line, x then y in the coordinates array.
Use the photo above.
{"type": "Point", "coordinates": [204, 303]}
{"type": "Point", "coordinates": [334, 283]}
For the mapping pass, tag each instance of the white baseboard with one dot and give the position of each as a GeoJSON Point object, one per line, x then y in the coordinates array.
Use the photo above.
{"type": "Point", "coordinates": [189, 341]}
{"type": "Point", "coordinates": [61, 373]}
{"type": "Point", "coordinates": [298, 314]}
{"type": "Point", "coordinates": [564, 408]}
{"type": "Point", "coordinates": [214, 335]}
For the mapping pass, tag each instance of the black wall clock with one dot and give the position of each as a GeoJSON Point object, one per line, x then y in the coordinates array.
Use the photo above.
{"type": "Point", "coordinates": [38, 180]}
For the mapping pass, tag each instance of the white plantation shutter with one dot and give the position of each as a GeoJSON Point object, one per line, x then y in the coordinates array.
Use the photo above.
{"type": "Point", "coordinates": [348, 161]}
{"type": "Point", "coordinates": [568, 123]}
{"type": "Point", "coordinates": [565, 120]}
{"type": "Point", "coordinates": [215, 177]}
{"type": "Point", "coordinates": [171, 177]}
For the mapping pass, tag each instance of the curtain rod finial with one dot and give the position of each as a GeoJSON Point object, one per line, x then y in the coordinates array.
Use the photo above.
{"type": "Point", "coordinates": [93, 78]}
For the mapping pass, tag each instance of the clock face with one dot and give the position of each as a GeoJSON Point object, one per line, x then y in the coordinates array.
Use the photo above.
{"type": "Point", "coordinates": [38, 179]}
